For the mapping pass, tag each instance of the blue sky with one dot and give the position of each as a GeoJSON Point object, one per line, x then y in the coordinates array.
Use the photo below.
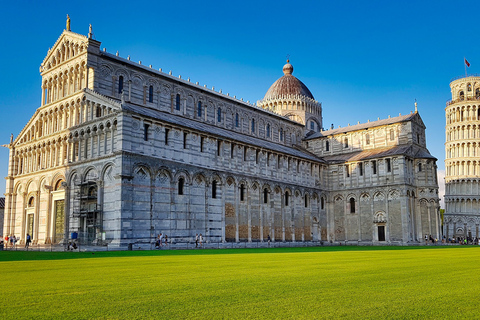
{"type": "Point", "coordinates": [361, 59]}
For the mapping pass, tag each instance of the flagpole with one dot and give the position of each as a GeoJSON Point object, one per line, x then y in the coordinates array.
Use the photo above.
{"type": "Point", "coordinates": [465, 66]}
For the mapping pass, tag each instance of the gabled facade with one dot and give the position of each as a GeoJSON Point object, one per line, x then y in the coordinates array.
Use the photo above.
{"type": "Point", "coordinates": [119, 152]}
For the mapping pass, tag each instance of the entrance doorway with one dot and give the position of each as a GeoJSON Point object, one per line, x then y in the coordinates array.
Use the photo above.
{"type": "Point", "coordinates": [59, 220]}
{"type": "Point", "coordinates": [381, 233]}
{"type": "Point", "coordinates": [30, 226]}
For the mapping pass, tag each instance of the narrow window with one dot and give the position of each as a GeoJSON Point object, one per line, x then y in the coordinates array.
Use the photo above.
{"type": "Point", "coordinates": [286, 199]}
{"type": "Point", "coordinates": [219, 115]}
{"type": "Point", "coordinates": [327, 146]}
{"type": "Point", "coordinates": [389, 166]}
{"type": "Point", "coordinates": [345, 142]}
{"type": "Point", "coordinates": [469, 87]}
{"type": "Point", "coordinates": [278, 161]}
{"type": "Point", "coordinates": [185, 140]}
{"type": "Point", "coordinates": [181, 182]}
{"type": "Point", "coordinates": [245, 153]}
{"type": "Point", "coordinates": [232, 149]}
{"type": "Point", "coordinates": [281, 134]}
{"type": "Point", "coordinates": [201, 144]}
{"type": "Point", "coordinates": [374, 167]}
{"type": "Point", "coordinates": [150, 94]}
{"type": "Point", "coordinates": [312, 125]}
{"type": "Point", "coordinates": [242, 192]}
{"type": "Point", "coordinates": [352, 205]}
{"type": "Point", "coordinates": [253, 125]}
{"type": "Point", "coordinates": [199, 109]}
{"type": "Point", "coordinates": [120, 84]}
{"type": "Point", "coordinates": [166, 136]}
{"type": "Point", "coordinates": [145, 131]}
{"type": "Point", "coordinates": [477, 93]}
{"type": "Point", "coordinates": [219, 148]}
{"type": "Point", "coordinates": [462, 95]}
{"type": "Point", "coordinates": [419, 166]}
{"type": "Point", "coordinates": [392, 135]}
{"type": "Point", "coordinates": [367, 139]}
{"type": "Point", "coordinates": [177, 102]}
{"type": "Point", "coordinates": [306, 201]}
{"type": "Point", "coordinates": [236, 120]}
{"type": "Point", "coordinates": [268, 130]}
{"type": "Point", "coordinates": [347, 170]}
{"type": "Point", "coordinates": [418, 138]}
{"type": "Point", "coordinates": [322, 203]}
{"type": "Point", "coordinates": [360, 168]}
{"type": "Point", "coordinates": [257, 156]}
{"type": "Point", "coordinates": [99, 112]}
{"type": "Point", "coordinates": [298, 166]}
{"type": "Point", "coordinates": [268, 158]}
{"type": "Point", "coordinates": [265, 195]}
{"type": "Point", "coordinates": [214, 189]}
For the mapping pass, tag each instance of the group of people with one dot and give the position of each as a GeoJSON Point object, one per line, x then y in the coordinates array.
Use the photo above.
{"type": "Point", "coordinates": [161, 240]}
{"type": "Point", "coordinates": [13, 241]}
{"type": "Point", "coordinates": [198, 240]}
{"type": "Point", "coordinates": [464, 240]}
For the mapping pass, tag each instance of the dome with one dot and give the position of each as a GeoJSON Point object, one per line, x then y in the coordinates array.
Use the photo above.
{"type": "Point", "coordinates": [287, 85]}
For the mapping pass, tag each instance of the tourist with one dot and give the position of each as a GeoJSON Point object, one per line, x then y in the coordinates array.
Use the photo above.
{"type": "Point", "coordinates": [160, 238]}
{"type": "Point", "coordinates": [166, 240]}
{"type": "Point", "coordinates": [200, 239]}
{"type": "Point", "coordinates": [13, 241]}
{"type": "Point", "coordinates": [6, 240]}
{"type": "Point", "coordinates": [268, 240]}
{"type": "Point", "coordinates": [196, 240]}
{"type": "Point", "coordinates": [29, 239]}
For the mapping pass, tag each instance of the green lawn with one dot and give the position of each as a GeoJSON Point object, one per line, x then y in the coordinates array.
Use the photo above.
{"type": "Point", "coordinates": [303, 283]}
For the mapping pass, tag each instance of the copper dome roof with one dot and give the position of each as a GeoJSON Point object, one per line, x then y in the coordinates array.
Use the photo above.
{"type": "Point", "coordinates": [287, 85]}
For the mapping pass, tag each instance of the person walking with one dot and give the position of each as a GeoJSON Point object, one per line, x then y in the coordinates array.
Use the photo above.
{"type": "Point", "coordinates": [13, 241]}
{"type": "Point", "coordinates": [196, 240]}
{"type": "Point", "coordinates": [268, 240]}
{"type": "Point", "coordinates": [166, 240]}
{"type": "Point", "coordinates": [29, 239]}
{"type": "Point", "coordinates": [200, 239]}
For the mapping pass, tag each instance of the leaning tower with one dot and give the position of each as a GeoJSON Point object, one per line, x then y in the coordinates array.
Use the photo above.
{"type": "Point", "coordinates": [462, 159]}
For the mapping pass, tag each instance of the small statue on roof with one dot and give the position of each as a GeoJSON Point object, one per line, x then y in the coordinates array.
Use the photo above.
{"type": "Point", "coordinates": [68, 22]}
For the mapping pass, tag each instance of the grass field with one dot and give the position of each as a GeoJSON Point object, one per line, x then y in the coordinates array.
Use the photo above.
{"type": "Point", "coordinates": [286, 283]}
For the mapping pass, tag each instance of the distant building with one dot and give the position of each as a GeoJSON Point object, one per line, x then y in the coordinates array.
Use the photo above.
{"type": "Point", "coordinates": [118, 152]}
{"type": "Point", "coordinates": [462, 163]}
{"type": "Point", "coordinates": [2, 212]}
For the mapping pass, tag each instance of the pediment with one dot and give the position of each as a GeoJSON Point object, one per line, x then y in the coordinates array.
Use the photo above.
{"type": "Point", "coordinates": [418, 120]}
{"type": "Point", "coordinates": [67, 46]}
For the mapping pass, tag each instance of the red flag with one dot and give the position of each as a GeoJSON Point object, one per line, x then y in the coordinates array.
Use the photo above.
{"type": "Point", "coordinates": [466, 62]}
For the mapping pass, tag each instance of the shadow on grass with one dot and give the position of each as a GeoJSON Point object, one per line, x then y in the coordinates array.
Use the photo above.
{"type": "Point", "coordinates": [45, 255]}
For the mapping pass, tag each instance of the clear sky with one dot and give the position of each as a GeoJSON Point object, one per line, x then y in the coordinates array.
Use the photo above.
{"type": "Point", "coordinates": [360, 59]}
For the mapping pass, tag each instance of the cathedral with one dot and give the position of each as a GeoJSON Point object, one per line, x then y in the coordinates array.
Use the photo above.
{"type": "Point", "coordinates": [118, 152]}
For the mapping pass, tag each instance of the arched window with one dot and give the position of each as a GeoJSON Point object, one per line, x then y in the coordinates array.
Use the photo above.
{"type": "Point", "coordinates": [322, 203]}
{"type": "Point", "coordinates": [253, 125]}
{"type": "Point", "coordinates": [99, 112]}
{"type": "Point", "coordinates": [345, 142]}
{"type": "Point", "coordinates": [177, 102]}
{"type": "Point", "coordinates": [419, 166]}
{"type": "Point", "coordinates": [120, 84]}
{"type": "Point", "coordinates": [268, 130]}
{"type": "Point", "coordinates": [327, 146]}
{"type": "Point", "coordinates": [306, 201]}
{"type": "Point", "coordinates": [312, 125]}
{"type": "Point", "coordinates": [150, 94]}
{"type": "Point", "coordinates": [199, 109]}
{"type": "Point", "coordinates": [392, 135]}
{"type": "Point", "coordinates": [214, 189]}
{"type": "Point", "coordinates": [367, 138]}
{"type": "Point", "coordinates": [461, 95]}
{"type": "Point", "coordinates": [242, 192]}
{"type": "Point", "coordinates": [237, 120]}
{"type": "Point", "coordinates": [469, 87]}
{"type": "Point", "coordinates": [287, 195]}
{"type": "Point", "coordinates": [219, 115]}
{"type": "Point", "coordinates": [477, 93]}
{"type": "Point", "coordinates": [181, 182]}
{"type": "Point", "coordinates": [281, 134]}
{"type": "Point", "coordinates": [265, 195]}
{"type": "Point", "coordinates": [31, 202]}
{"type": "Point", "coordinates": [352, 205]}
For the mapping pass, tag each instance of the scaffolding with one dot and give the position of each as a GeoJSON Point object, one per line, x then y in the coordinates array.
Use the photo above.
{"type": "Point", "coordinates": [88, 212]}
